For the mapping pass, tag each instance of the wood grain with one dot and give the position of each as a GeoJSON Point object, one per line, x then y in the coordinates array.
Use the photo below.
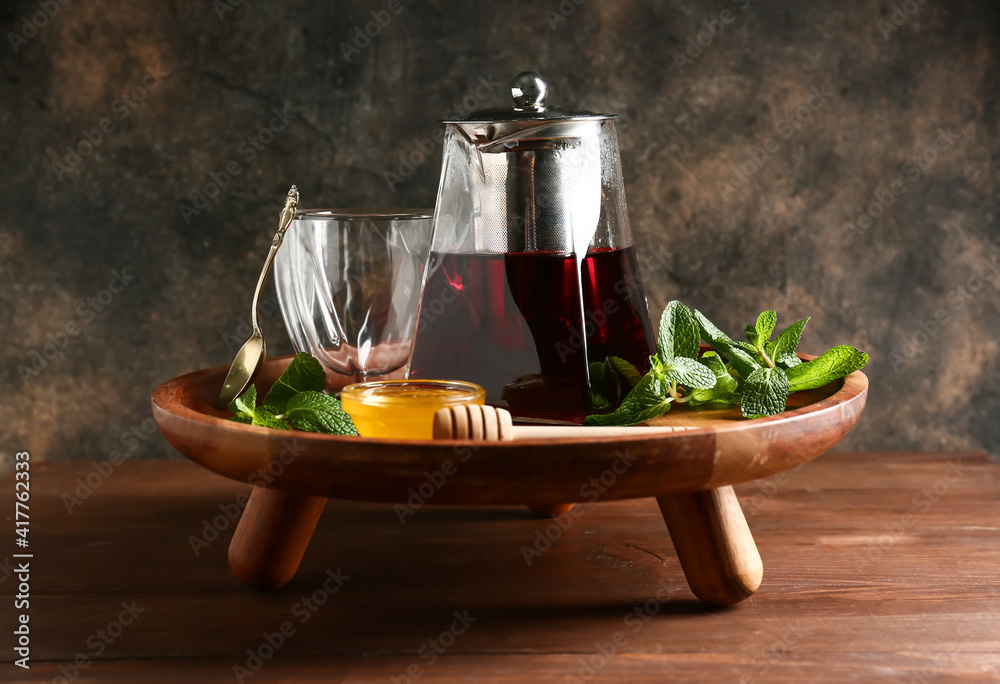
{"type": "Point", "coordinates": [880, 567]}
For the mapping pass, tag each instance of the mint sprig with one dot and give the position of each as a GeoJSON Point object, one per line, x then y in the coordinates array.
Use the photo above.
{"type": "Point", "coordinates": [758, 374]}
{"type": "Point", "coordinates": [295, 400]}
{"type": "Point", "coordinates": [675, 372]}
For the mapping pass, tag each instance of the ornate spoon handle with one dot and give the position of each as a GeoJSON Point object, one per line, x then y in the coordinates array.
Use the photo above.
{"type": "Point", "coordinates": [287, 214]}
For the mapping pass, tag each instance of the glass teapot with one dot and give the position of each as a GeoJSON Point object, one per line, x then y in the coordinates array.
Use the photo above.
{"type": "Point", "coordinates": [532, 276]}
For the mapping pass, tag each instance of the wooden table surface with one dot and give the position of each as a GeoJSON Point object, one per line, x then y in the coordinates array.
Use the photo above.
{"type": "Point", "coordinates": [881, 567]}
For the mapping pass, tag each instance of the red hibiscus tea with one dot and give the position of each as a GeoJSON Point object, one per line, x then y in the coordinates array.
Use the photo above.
{"type": "Point", "coordinates": [515, 324]}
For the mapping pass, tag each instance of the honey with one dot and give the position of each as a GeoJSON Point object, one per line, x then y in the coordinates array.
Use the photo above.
{"type": "Point", "coordinates": [404, 409]}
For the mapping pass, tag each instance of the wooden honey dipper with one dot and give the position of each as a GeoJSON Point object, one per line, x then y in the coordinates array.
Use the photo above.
{"type": "Point", "coordinates": [474, 421]}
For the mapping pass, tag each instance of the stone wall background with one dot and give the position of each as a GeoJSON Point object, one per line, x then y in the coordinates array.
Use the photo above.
{"type": "Point", "coordinates": [776, 241]}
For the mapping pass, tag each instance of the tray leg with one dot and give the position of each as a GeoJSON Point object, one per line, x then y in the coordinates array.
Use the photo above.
{"type": "Point", "coordinates": [713, 542]}
{"type": "Point", "coordinates": [272, 537]}
{"type": "Point", "coordinates": [551, 511]}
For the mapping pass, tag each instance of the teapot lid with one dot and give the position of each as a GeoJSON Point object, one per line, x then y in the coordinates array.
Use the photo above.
{"type": "Point", "coordinates": [529, 90]}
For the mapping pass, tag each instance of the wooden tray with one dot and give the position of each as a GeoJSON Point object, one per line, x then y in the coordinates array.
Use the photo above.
{"type": "Point", "coordinates": [689, 472]}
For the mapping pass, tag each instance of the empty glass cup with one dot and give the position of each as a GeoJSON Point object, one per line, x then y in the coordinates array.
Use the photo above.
{"type": "Point", "coordinates": [348, 283]}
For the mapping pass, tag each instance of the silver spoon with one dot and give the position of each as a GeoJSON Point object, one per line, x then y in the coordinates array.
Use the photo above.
{"type": "Point", "coordinates": [252, 354]}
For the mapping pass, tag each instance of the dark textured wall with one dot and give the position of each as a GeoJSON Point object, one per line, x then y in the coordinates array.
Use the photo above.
{"type": "Point", "coordinates": [834, 100]}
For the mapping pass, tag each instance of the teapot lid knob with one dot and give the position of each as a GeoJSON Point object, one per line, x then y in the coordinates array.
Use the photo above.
{"type": "Point", "coordinates": [529, 90]}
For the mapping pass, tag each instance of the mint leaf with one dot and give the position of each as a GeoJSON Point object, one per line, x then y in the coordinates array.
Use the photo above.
{"type": "Point", "coordinates": [599, 387]}
{"type": "Point", "coordinates": [709, 331]}
{"type": "Point", "coordinates": [764, 393]}
{"type": "Point", "coordinates": [759, 334]}
{"type": "Point", "coordinates": [265, 416]}
{"type": "Point", "coordinates": [625, 370]}
{"type": "Point", "coordinates": [836, 363]}
{"type": "Point", "coordinates": [246, 402]}
{"type": "Point", "coordinates": [244, 406]}
{"type": "Point", "coordinates": [646, 400]}
{"type": "Point", "coordinates": [743, 362]}
{"type": "Point", "coordinates": [317, 412]}
{"type": "Point", "coordinates": [678, 334]}
{"type": "Point", "coordinates": [714, 363]}
{"type": "Point", "coordinates": [788, 361]}
{"type": "Point", "coordinates": [610, 381]}
{"type": "Point", "coordinates": [303, 374]}
{"type": "Point", "coordinates": [766, 321]}
{"type": "Point", "coordinates": [726, 389]}
{"type": "Point", "coordinates": [687, 372]}
{"type": "Point", "coordinates": [782, 350]}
